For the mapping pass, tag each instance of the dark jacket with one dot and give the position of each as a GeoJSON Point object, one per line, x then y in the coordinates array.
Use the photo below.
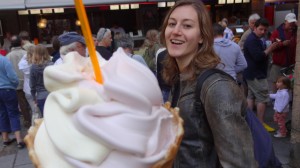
{"type": "Point", "coordinates": [256, 58]}
{"type": "Point", "coordinates": [220, 136]}
{"type": "Point", "coordinates": [38, 90]}
{"type": "Point", "coordinates": [55, 56]}
{"type": "Point", "coordinates": [104, 52]}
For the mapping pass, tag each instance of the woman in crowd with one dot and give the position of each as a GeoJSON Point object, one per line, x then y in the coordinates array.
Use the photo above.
{"type": "Point", "coordinates": [40, 60]}
{"type": "Point", "coordinates": [216, 133]}
{"type": "Point", "coordinates": [104, 38]}
{"type": "Point", "coordinates": [152, 45]}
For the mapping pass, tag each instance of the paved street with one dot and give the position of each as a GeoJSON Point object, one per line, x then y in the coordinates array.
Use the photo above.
{"type": "Point", "coordinates": [11, 157]}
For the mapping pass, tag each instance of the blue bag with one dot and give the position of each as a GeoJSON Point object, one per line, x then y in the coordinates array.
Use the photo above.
{"type": "Point", "coordinates": [263, 146]}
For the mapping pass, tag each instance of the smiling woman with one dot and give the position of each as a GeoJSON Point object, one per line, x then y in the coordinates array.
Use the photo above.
{"type": "Point", "coordinates": [188, 36]}
{"type": "Point", "coordinates": [214, 133]}
{"type": "Point", "coordinates": [104, 39]}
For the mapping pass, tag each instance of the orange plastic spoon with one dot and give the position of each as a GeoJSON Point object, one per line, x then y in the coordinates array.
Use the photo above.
{"type": "Point", "coordinates": [85, 27]}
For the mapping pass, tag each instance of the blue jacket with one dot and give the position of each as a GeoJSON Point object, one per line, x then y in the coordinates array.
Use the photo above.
{"type": "Point", "coordinates": [256, 58]}
{"type": "Point", "coordinates": [8, 76]}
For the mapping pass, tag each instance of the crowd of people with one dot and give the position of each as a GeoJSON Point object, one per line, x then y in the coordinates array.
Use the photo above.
{"type": "Point", "coordinates": [187, 45]}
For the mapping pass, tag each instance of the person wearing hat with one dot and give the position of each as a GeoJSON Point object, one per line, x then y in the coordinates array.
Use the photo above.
{"type": "Point", "coordinates": [284, 54]}
{"type": "Point", "coordinates": [71, 41]}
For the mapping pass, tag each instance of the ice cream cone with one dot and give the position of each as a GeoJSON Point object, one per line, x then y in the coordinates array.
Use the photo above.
{"type": "Point", "coordinates": [166, 162]}
{"type": "Point", "coordinates": [29, 140]}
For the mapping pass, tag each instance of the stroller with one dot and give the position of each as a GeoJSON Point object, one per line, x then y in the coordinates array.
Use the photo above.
{"type": "Point", "coordinates": [289, 72]}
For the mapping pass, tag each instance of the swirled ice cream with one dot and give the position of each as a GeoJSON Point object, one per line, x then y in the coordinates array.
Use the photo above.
{"type": "Point", "coordinates": [120, 124]}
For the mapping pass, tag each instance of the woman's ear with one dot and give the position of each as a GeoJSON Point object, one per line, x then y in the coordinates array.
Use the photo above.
{"type": "Point", "coordinates": [200, 41]}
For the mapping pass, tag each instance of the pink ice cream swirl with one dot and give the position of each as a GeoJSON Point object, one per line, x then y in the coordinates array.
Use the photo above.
{"type": "Point", "coordinates": [118, 124]}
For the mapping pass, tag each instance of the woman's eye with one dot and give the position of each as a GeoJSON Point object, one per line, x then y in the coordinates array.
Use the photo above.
{"type": "Point", "coordinates": [187, 26]}
{"type": "Point", "coordinates": [171, 24]}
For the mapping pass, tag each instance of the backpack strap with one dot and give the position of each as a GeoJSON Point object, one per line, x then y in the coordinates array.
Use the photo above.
{"type": "Point", "coordinates": [201, 79]}
{"type": "Point", "coordinates": [175, 94]}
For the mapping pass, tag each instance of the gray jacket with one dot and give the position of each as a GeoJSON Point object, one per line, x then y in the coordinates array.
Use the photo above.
{"type": "Point", "coordinates": [220, 136]}
{"type": "Point", "coordinates": [38, 90]}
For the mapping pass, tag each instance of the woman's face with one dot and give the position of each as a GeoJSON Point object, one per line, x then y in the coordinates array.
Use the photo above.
{"type": "Point", "coordinates": [182, 33]}
{"type": "Point", "coordinates": [107, 40]}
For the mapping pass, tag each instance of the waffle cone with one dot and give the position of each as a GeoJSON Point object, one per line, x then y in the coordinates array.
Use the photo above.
{"type": "Point", "coordinates": [29, 140]}
{"type": "Point", "coordinates": [166, 162]}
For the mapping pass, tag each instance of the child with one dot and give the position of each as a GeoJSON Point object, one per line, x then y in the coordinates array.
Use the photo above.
{"type": "Point", "coordinates": [281, 105]}
{"type": "Point", "coordinates": [40, 59]}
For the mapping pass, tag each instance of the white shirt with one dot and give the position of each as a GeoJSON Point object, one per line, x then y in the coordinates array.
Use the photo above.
{"type": "Point", "coordinates": [156, 55]}
{"type": "Point", "coordinates": [25, 68]}
{"type": "Point", "coordinates": [282, 99]}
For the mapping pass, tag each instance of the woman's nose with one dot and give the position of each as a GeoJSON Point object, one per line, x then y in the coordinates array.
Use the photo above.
{"type": "Point", "coordinates": [177, 29]}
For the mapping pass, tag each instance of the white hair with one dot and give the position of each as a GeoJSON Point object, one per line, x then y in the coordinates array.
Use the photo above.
{"type": "Point", "coordinates": [102, 33]}
{"type": "Point", "coordinates": [64, 50]}
{"type": "Point", "coordinates": [254, 16]}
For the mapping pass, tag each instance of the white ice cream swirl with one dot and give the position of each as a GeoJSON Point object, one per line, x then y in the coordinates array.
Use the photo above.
{"type": "Point", "coordinates": [120, 124]}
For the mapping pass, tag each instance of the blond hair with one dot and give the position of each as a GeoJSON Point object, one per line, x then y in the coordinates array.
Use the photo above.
{"type": "Point", "coordinates": [30, 50]}
{"type": "Point", "coordinates": [40, 55]}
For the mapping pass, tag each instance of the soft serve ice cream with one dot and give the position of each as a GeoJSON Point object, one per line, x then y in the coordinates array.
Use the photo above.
{"type": "Point", "coordinates": [120, 124]}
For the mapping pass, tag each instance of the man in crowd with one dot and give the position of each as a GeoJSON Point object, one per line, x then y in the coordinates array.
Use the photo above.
{"type": "Point", "coordinates": [7, 42]}
{"type": "Point", "coordinates": [284, 55]}
{"type": "Point", "coordinates": [232, 58]}
{"type": "Point", "coordinates": [251, 21]}
{"type": "Point", "coordinates": [71, 41]}
{"type": "Point", "coordinates": [25, 39]}
{"type": "Point", "coordinates": [127, 44]}
{"type": "Point", "coordinates": [9, 112]}
{"type": "Point", "coordinates": [14, 57]}
{"type": "Point", "coordinates": [255, 74]}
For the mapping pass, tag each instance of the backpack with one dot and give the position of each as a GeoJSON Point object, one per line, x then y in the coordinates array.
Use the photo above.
{"type": "Point", "coordinates": [263, 146]}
